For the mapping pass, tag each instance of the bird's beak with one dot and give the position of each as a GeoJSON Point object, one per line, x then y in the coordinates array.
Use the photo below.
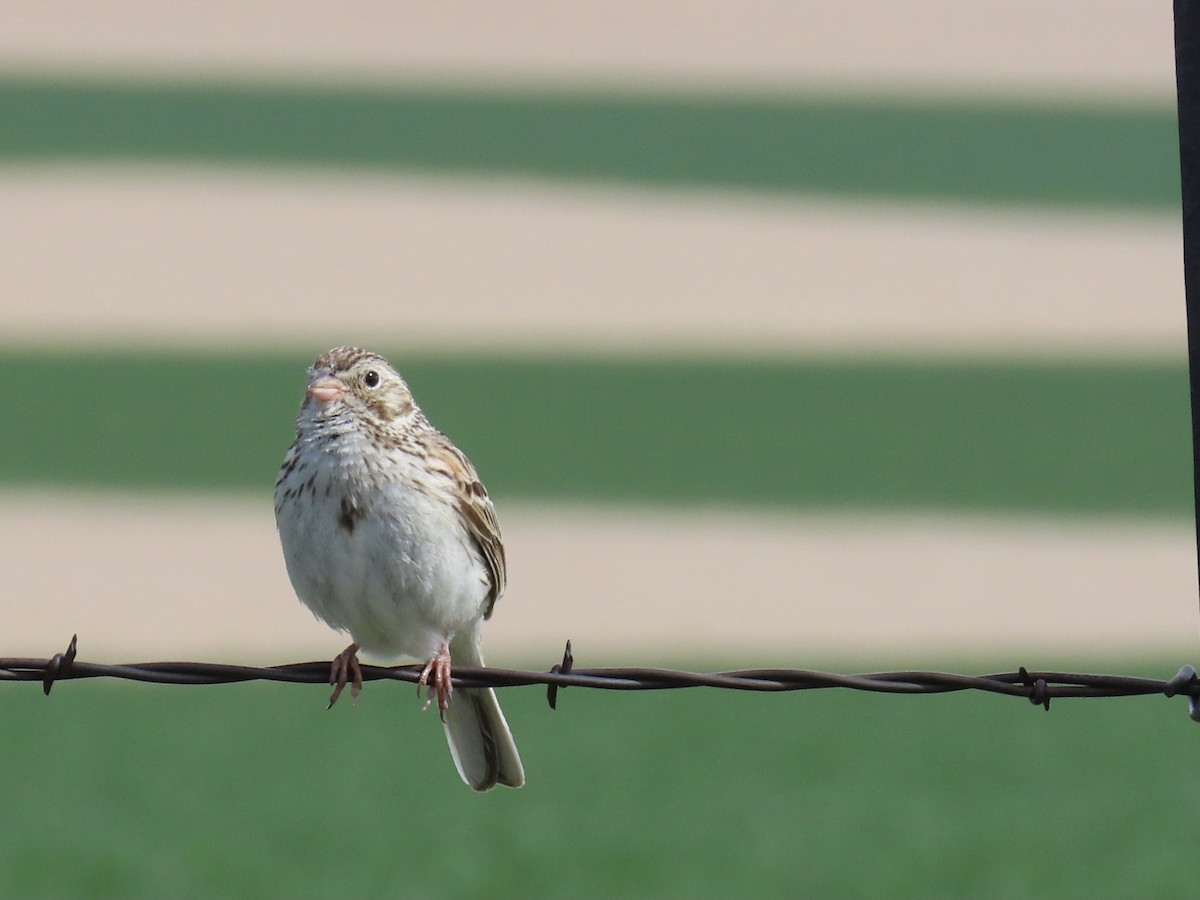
{"type": "Point", "coordinates": [325, 389]}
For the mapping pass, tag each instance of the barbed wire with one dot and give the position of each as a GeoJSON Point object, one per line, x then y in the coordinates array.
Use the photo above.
{"type": "Point", "coordinates": [1038, 688]}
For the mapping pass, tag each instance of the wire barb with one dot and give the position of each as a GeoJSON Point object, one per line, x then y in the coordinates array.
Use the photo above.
{"type": "Point", "coordinates": [1039, 691]}
{"type": "Point", "coordinates": [564, 667]}
{"type": "Point", "coordinates": [1185, 680]}
{"type": "Point", "coordinates": [1038, 688]}
{"type": "Point", "coordinates": [59, 665]}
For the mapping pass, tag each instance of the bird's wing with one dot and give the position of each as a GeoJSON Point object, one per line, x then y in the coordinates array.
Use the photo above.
{"type": "Point", "coordinates": [478, 514]}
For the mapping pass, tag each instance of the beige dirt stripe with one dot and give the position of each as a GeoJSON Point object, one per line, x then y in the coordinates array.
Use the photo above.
{"type": "Point", "coordinates": [178, 256]}
{"type": "Point", "coordinates": [202, 578]}
{"type": "Point", "coordinates": [1104, 48]}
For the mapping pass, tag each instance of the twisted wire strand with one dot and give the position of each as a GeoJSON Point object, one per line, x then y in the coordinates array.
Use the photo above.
{"type": "Point", "coordinates": [1037, 687]}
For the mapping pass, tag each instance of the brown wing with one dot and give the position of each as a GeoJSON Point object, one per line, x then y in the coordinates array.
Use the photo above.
{"type": "Point", "coordinates": [478, 513]}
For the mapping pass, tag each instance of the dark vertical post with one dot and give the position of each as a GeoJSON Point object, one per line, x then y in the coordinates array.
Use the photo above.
{"type": "Point", "coordinates": [1187, 92]}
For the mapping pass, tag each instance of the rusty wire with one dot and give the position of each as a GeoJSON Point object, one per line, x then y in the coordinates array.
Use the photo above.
{"type": "Point", "coordinates": [1038, 688]}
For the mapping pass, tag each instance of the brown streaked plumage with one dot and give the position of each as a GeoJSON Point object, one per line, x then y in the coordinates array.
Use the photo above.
{"type": "Point", "coordinates": [389, 534]}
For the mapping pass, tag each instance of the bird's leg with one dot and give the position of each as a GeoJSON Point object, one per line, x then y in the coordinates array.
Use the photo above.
{"type": "Point", "coordinates": [442, 687]}
{"type": "Point", "coordinates": [344, 665]}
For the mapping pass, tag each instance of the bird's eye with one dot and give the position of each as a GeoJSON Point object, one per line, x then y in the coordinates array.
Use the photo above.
{"type": "Point", "coordinates": [371, 379]}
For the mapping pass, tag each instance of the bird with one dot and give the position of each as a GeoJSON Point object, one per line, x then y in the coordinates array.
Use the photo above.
{"type": "Point", "coordinates": [388, 534]}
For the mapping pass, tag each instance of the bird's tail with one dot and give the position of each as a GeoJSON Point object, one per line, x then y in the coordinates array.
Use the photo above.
{"type": "Point", "coordinates": [479, 738]}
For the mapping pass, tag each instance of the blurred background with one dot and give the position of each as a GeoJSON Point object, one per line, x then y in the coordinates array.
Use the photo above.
{"type": "Point", "coordinates": [783, 335]}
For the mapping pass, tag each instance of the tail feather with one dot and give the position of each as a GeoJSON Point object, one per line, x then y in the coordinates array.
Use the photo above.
{"type": "Point", "coordinates": [478, 734]}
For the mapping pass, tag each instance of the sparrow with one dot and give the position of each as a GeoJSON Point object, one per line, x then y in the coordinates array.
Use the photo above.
{"type": "Point", "coordinates": [388, 534]}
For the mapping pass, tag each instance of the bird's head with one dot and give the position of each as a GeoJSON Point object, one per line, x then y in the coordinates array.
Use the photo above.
{"type": "Point", "coordinates": [363, 383]}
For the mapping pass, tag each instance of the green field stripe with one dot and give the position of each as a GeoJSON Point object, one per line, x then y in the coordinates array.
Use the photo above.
{"type": "Point", "coordinates": [986, 151]}
{"type": "Point", "coordinates": [1077, 438]}
{"type": "Point", "coordinates": [228, 791]}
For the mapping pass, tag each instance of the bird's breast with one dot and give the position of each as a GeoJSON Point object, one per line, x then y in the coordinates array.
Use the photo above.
{"type": "Point", "coordinates": [383, 556]}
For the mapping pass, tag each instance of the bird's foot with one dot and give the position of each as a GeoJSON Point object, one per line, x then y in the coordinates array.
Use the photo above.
{"type": "Point", "coordinates": [345, 664]}
{"type": "Point", "coordinates": [442, 687]}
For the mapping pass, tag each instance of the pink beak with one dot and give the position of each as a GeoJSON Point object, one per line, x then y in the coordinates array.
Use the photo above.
{"type": "Point", "coordinates": [325, 389]}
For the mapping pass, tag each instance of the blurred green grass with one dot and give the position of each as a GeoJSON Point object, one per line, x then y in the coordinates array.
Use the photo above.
{"type": "Point", "coordinates": [1076, 438]}
{"type": "Point", "coordinates": [129, 791]}
{"type": "Point", "coordinates": [985, 151]}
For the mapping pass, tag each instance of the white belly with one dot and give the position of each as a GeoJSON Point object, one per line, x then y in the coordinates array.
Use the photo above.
{"type": "Point", "coordinates": [399, 573]}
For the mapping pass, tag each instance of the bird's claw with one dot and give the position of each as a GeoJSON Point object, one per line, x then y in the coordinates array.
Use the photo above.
{"type": "Point", "coordinates": [345, 665]}
{"type": "Point", "coordinates": [442, 687]}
